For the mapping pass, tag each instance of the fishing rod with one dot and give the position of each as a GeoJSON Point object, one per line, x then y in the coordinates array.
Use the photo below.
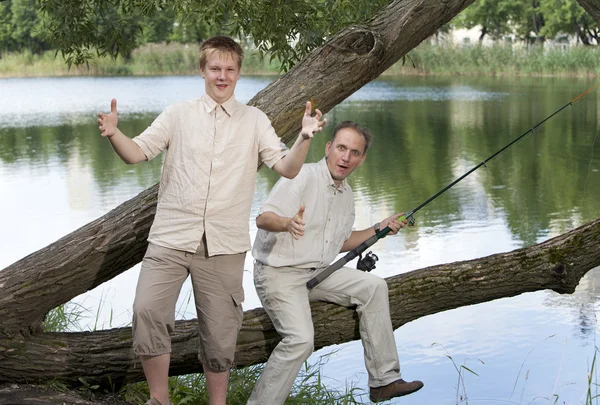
{"type": "Point", "coordinates": [370, 260]}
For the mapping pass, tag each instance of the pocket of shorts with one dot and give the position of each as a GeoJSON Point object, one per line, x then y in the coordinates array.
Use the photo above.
{"type": "Point", "coordinates": [238, 298]}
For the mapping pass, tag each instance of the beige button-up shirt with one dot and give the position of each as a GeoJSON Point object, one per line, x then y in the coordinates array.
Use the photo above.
{"type": "Point", "coordinates": [328, 216]}
{"type": "Point", "coordinates": [209, 172]}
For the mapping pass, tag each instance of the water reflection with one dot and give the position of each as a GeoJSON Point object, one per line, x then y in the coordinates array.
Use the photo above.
{"type": "Point", "coordinates": [57, 174]}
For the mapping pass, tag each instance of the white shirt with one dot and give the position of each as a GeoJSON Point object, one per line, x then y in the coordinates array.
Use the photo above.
{"type": "Point", "coordinates": [209, 173]}
{"type": "Point", "coordinates": [328, 216]}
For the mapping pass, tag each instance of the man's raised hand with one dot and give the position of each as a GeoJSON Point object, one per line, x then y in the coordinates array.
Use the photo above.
{"type": "Point", "coordinates": [311, 124]}
{"type": "Point", "coordinates": [295, 225]}
{"type": "Point", "coordinates": [107, 123]}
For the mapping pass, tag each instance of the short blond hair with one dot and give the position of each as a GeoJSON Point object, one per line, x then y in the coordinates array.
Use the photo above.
{"type": "Point", "coordinates": [220, 43]}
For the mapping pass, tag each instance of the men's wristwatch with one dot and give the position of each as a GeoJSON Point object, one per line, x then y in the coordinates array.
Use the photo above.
{"type": "Point", "coordinates": [376, 227]}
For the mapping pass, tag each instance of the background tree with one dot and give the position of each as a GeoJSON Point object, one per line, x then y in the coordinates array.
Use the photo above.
{"type": "Point", "coordinates": [288, 30]}
{"type": "Point", "coordinates": [7, 44]}
{"type": "Point", "coordinates": [496, 17]}
{"type": "Point", "coordinates": [535, 20]}
{"type": "Point", "coordinates": [25, 26]}
{"type": "Point", "coordinates": [568, 17]}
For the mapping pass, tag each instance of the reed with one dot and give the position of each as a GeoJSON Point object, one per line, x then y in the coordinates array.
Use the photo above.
{"type": "Point", "coordinates": [426, 59]}
{"type": "Point", "coordinates": [501, 59]}
{"type": "Point", "coordinates": [148, 60]}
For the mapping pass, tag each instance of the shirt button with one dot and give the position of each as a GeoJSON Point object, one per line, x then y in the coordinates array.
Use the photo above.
{"type": "Point", "coordinates": [218, 121]}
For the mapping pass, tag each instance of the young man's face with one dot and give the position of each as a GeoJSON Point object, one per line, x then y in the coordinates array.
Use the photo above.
{"type": "Point", "coordinates": [345, 153]}
{"type": "Point", "coordinates": [220, 73]}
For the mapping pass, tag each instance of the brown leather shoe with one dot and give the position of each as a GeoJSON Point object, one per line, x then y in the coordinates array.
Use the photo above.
{"type": "Point", "coordinates": [395, 389]}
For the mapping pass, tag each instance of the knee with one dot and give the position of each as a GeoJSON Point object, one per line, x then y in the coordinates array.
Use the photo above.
{"type": "Point", "coordinates": [376, 286]}
{"type": "Point", "coordinates": [146, 317]}
{"type": "Point", "coordinates": [143, 312]}
{"type": "Point", "coordinates": [301, 343]}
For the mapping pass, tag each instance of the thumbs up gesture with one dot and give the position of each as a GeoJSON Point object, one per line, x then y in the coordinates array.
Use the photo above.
{"type": "Point", "coordinates": [295, 225]}
{"type": "Point", "coordinates": [107, 123]}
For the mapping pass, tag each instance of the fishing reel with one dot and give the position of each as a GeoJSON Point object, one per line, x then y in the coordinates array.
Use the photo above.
{"type": "Point", "coordinates": [367, 263]}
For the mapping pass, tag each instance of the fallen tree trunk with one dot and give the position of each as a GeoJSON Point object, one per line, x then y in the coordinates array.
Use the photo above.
{"type": "Point", "coordinates": [557, 264]}
{"type": "Point", "coordinates": [114, 243]}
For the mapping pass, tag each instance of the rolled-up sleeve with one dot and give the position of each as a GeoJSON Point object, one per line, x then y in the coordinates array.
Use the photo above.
{"type": "Point", "coordinates": [270, 148]}
{"type": "Point", "coordinates": [157, 136]}
{"type": "Point", "coordinates": [286, 196]}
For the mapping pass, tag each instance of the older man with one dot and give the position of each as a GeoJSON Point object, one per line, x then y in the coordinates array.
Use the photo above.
{"type": "Point", "coordinates": [303, 225]}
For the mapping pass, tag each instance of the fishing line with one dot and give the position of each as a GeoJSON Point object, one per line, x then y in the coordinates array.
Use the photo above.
{"type": "Point", "coordinates": [357, 251]}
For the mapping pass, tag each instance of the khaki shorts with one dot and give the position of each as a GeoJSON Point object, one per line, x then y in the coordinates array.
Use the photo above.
{"type": "Point", "coordinates": [218, 293]}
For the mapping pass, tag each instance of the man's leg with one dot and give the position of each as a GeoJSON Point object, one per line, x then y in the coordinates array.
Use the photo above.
{"type": "Point", "coordinates": [218, 294]}
{"type": "Point", "coordinates": [161, 277]}
{"type": "Point", "coordinates": [156, 370]}
{"type": "Point", "coordinates": [369, 293]}
{"type": "Point", "coordinates": [284, 296]}
{"type": "Point", "coordinates": [216, 383]}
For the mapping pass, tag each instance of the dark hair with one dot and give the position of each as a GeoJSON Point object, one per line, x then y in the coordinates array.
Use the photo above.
{"type": "Point", "coordinates": [222, 44]}
{"type": "Point", "coordinates": [353, 125]}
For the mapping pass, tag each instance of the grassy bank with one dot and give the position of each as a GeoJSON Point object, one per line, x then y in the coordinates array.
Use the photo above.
{"type": "Point", "coordinates": [179, 59]}
{"type": "Point", "coordinates": [506, 60]}
{"type": "Point", "coordinates": [148, 60]}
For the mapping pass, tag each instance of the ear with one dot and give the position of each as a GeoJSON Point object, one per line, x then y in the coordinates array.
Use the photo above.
{"type": "Point", "coordinates": [327, 149]}
{"type": "Point", "coordinates": [362, 159]}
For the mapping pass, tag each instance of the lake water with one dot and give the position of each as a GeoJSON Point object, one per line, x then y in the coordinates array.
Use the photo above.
{"type": "Point", "coordinates": [57, 174]}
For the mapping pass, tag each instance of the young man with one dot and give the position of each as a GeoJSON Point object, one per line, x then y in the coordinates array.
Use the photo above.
{"type": "Point", "coordinates": [303, 225]}
{"type": "Point", "coordinates": [214, 144]}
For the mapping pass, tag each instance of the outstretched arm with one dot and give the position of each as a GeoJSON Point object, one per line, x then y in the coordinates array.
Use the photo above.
{"type": "Point", "coordinates": [127, 150]}
{"type": "Point", "coordinates": [269, 221]}
{"type": "Point", "coordinates": [358, 237]}
{"type": "Point", "coordinates": [290, 165]}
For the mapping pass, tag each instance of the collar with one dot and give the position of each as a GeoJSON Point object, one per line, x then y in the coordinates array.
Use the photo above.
{"type": "Point", "coordinates": [324, 170]}
{"type": "Point", "coordinates": [228, 106]}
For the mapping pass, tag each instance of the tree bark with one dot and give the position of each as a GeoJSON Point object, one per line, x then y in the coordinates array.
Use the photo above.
{"type": "Point", "coordinates": [112, 244]}
{"type": "Point", "coordinates": [557, 264]}
{"type": "Point", "coordinates": [592, 7]}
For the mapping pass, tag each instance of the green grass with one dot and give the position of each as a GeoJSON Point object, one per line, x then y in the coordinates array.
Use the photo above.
{"type": "Point", "coordinates": [308, 388]}
{"type": "Point", "coordinates": [426, 59]}
{"type": "Point", "coordinates": [509, 60]}
{"type": "Point", "coordinates": [150, 59]}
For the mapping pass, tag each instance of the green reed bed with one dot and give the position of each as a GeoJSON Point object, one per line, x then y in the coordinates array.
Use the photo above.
{"type": "Point", "coordinates": [427, 58]}
{"type": "Point", "coordinates": [511, 60]}
{"type": "Point", "coordinates": [150, 59]}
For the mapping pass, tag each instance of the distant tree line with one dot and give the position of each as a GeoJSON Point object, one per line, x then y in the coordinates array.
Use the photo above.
{"type": "Point", "coordinates": [529, 21]}
{"type": "Point", "coordinates": [284, 29]}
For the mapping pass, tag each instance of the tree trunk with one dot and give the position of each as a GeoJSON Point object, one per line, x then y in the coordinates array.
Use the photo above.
{"type": "Point", "coordinates": [557, 264]}
{"type": "Point", "coordinates": [112, 244]}
{"type": "Point", "coordinates": [592, 7]}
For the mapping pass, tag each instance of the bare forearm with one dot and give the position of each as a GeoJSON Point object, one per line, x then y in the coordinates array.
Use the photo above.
{"type": "Point", "coordinates": [291, 164]}
{"type": "Point", "coordinates": [356, 238]}
{"type": "Point", "coordinates": [271, 222]}
{"type": "Point", "coordinates": [127, 150]}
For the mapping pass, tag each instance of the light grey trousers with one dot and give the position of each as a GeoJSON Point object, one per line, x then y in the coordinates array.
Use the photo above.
{"type": "Point", "coordinates": [286, 300]}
